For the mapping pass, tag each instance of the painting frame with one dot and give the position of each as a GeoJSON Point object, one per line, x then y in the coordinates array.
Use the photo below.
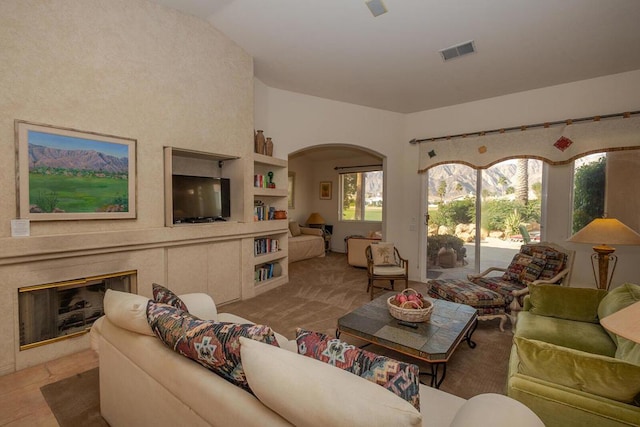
{"type": "Point", "coordinates": [80, 175]}
{"type": "Point", "coordinates": [291, 190]}
{"type": "Point", "coordinates": [325, 190]}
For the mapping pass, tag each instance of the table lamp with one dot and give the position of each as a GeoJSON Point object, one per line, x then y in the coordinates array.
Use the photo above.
{"type": "Point", "coordinates": [625, 322]}
{"type": "Point", "coordinates": [315, 219]}
{"type": "Point", "coordinates": [611, 231]}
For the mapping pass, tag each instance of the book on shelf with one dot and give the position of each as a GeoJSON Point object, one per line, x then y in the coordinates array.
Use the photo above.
{"type": "Point", "coordinates": [265, 245]}
{"type": "Point", "coordinates": [265, 272]}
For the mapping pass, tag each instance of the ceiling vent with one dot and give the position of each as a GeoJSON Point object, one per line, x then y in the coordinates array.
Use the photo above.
{"type": "Point", "coordinates": [459, 50]}
{"type": "Point", "coordinates": [376, 7]}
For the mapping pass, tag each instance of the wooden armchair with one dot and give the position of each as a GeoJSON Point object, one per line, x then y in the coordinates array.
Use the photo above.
{"type": "Point", "coordinates": [394, 268]}
{"type": "Point", "coordinates": [536, 263]}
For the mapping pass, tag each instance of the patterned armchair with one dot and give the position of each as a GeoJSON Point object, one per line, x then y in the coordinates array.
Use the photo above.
{"type": "Point", "coordinates": [535, 263]}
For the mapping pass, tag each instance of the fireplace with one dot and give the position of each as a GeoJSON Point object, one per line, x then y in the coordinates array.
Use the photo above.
{"type": "Point", "coordinates": [57, 311]}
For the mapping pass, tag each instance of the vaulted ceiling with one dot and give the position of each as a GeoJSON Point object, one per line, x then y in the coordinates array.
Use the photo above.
{"type": "Point", "coordinates": [337, 49]}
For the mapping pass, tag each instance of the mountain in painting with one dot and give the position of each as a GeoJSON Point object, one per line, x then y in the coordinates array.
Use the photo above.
{"type": "Point", "coordinates": [41, 156]}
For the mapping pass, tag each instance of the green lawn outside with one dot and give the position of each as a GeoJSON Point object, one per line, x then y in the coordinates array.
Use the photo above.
{"type": "Point", "coordinates": [76, 194]}
{"type": "Point", "coordinates": [371, 213]}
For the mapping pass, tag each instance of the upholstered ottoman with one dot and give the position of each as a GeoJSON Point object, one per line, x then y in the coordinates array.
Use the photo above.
{"type": "Point", "coordinates": [490, 304]}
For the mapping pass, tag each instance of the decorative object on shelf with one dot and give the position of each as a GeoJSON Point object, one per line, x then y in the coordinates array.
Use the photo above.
{"type": "Point", "coordinates": [410, 306]}
{"type": "Point", "coordinates": [268, 147]}
{"type": "Point", "coordinates": [270, 184]}
{"type": "Point", "coordinates": [315, 219]}
{"type": "Point", "coordinates": [52, 190]}
{"type": "Point", "coordinates": [605, 230]}
{"type": "Point", "coordinates": [280, 215]}
{"type": "Point", "coordinates": [325, 190]}
{"type": "Point", "coordinates": [259, 141]}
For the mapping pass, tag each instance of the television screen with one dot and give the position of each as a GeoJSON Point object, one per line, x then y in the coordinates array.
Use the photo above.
{"type": "Point", "coordinates": [200, 198]}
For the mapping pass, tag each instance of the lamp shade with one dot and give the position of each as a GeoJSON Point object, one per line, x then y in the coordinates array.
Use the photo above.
{"type": "Point", "coordinates": [315, 218]}
{"type": "Point", "coordinates": [606, 231]}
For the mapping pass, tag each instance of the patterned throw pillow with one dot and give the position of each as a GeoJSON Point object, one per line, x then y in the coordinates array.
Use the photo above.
{"type": "Point", "coordinates": [215, 345]}
{"type": "Point", "coordinates": [399, 378]}
{"type": "Point", "coordinates": [383, 253]}
{"type": "Point", "coordinates": [164, 295]}
{"type": "Point", "coordinates": [533, 270]}
{"type": "Point", "coordinates": [516, 268]}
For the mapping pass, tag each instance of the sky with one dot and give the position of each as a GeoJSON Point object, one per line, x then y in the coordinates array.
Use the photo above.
{"type": "Point", "coordinates": [71, 143]}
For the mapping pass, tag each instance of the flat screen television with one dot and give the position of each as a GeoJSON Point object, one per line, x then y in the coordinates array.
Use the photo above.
{"type": "Point", "coordinates": [200, 199]}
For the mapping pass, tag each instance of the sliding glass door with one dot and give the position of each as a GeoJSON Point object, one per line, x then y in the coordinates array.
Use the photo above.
{"type": "Point", "coordinates": [479, 218]}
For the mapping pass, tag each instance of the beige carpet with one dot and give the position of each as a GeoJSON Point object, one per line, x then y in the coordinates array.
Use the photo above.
{"type": "Point", "coordinates": [321, 290]}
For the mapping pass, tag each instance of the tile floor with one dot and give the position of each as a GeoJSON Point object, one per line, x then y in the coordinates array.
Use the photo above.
{"type": "Point", "coordinates": [22, 403]}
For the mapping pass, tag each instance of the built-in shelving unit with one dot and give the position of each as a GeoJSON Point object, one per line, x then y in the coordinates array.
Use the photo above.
{"type": "Point", "coordinates": [178, 161]}
{"type": "Point", "coordinates": [274, 197]}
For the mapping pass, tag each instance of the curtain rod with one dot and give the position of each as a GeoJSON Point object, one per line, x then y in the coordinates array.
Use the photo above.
{"type": "Point", "coordinates": [352, 167]}
{"type": "Point", "coordinates": [625, 115]}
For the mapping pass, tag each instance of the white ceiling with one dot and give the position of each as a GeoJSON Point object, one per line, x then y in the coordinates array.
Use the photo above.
{"type": "Point", "coordinates": [336, 49]}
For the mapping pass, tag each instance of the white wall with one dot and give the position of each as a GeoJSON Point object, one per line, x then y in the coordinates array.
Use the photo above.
{"type": "Point", "coordinates": [298, 121]}
{"type": "Point", "coordinates": [130, 68]}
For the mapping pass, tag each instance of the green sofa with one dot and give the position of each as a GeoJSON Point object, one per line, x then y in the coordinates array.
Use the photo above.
{"type": "Point", "coordinates": [566, 367]}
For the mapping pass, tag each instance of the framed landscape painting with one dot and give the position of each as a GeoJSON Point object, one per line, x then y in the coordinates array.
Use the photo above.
{"type": "Point", "coordinates": [66, 174]}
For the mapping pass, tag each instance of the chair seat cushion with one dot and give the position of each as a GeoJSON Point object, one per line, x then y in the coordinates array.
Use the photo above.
{"type": "Point", "coordinates": [484, 300]}
{"type": "Point", "coordinates": [501, 286]}
{"type": "Point", "coordinates": [583, 336]}
{"type": "Point", "coordinates": [388, 270]}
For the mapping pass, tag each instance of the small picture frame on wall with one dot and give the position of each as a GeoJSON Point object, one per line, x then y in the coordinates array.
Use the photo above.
{"type": "Point", "coordinates": [67, 174]}
{"type": "Point", "coordinates": [325, 190]}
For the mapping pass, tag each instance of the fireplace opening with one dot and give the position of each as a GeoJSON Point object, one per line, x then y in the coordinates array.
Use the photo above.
{"type": "Point", "coordinates": [56, 311]}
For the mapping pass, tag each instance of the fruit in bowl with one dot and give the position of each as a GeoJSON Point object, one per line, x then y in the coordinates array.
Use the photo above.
{"type": "Point", "coordinates": [415, 300]}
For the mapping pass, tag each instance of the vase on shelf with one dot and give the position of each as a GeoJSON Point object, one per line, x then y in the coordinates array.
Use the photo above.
{"type": "Point", "coordinates": [268, 147]}
{"type": "Point", "coordinates": [259, 142]}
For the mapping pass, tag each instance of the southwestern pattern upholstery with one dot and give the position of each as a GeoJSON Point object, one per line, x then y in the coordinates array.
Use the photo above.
{"type": "Point", "coordinates": [490, 304]}
{"type": "Point", "coordinates": [214, 345]}
{"type": "Point", "coordinates": [165, 295]}
{"type": "Point", "coordinates": [536, 263]}
{"type": "Point", "coordinates": [398, 377]}
{"type": "Point", "coordinates": [499, 296]}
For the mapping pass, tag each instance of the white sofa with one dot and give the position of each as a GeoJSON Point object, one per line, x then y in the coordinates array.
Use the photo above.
{"type": "Point", "coordinates": [144, 383]}
{"type": "Point", "coordinates": [308, 244]}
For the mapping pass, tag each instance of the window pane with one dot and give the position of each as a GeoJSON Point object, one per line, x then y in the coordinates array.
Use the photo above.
{"type": "Point", "coordinates": [588, 189]}
{"type": "Point", "coordinates": [361, 196]}
{"type": "Point", "coordinates": [373, 196]}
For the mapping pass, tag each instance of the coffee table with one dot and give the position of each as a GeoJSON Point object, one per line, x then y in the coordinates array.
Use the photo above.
{"type": "Point", "coordinates": [432, 342]}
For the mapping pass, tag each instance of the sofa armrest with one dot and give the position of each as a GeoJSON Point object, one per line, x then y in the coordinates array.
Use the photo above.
{"type": "Point", "coordinates": [471, 277]}
{"type": "Point", "coordinates": [200, 305]}
{"type": "Point", "coordinates": [312, 231]}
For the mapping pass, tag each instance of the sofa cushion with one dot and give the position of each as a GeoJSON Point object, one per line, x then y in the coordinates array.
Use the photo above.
{"type": "Point", "coordinates": [516, 269]}
{"type": "Point", "coordinates": [591, 373]}
{"type": "Point", "coordinates": [555, 260]}
{"type": "Point", "coordinates": [215, 345]}
{"type": "Point", "coordinates": [617, 299]}
{"type": "Point", "coordinates": [580, 304]}
{"type": "Point", "coordinates": [382, 253]}
{"type": "Point", "coordinates": [295, 229]}
{"type": "Point", "coordinates": [164, 295]}
{"type": "Point", "coordinates": [584, 336]}
{"type": "Point", "coordinates": [533, 270]}
{"type": "Point", "coordinates": [308, 392]}
{"type": "Point", "coordinates": [128, 311]}
{"type": "Point", "coordinates": [497, 409]}
{"type": "Point", "coordinates": [397, 377]}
